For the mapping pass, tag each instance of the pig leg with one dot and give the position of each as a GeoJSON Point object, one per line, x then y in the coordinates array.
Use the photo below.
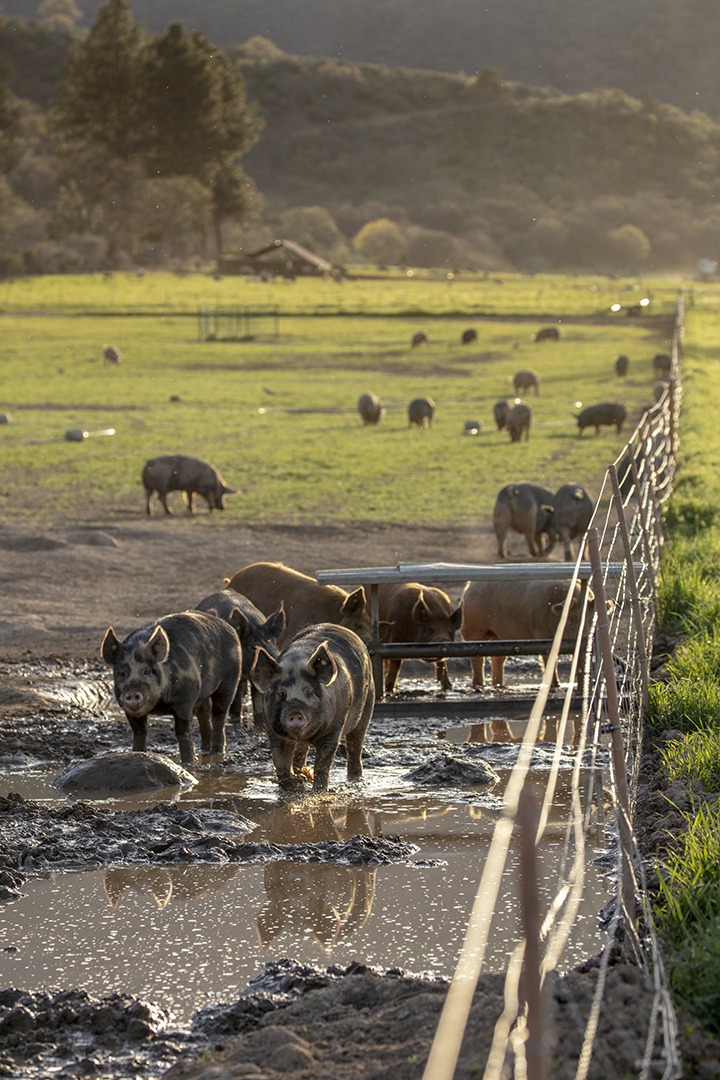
{"type": "Point", "coordinates": [283, 751]}
{"type": "Point", "coordinates": [391, 675]}
{"type": "Point", "coordinates": [139, 726]}
{"type": "Point", "coordinates": [203, 714]}
{"type": "Point", "coordinates": [498, 670]}
{"type": "Point", "coordinates": [235, 711]}
{"type": "Point", "coordinates": [188, 501]}
{"type": "Point", "coordinates": [258, 709]}
{"type": "Point", "coordinates": [355, 738]}
{"type": "Point", "coordinates": [477, 666]}
{"type": "Point", "coordinates": [324, 756]}
{"type": "Point", "coordinates": [442, 674]}
{"type": "Point", "coordinates": [183, 734]}
{"type": "Point", "coordinates": [162, 496]}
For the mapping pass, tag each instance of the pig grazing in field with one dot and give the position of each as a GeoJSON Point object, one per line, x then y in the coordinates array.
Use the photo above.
{"type": "Point", "coordinates": [518, 422]}
{"type": "Point", "coordinates": [548, 333]}
{"type": "Point", "coordinates": [622, 366]}
{"type": "Point", "coordinates": [662, 364]}
{"type": "Point", "coordinates": [606, 414]}
{"type": "Point", "coordinates": [421, 412]}
{"type": "Point", "coordinates": [306, 602]}
{"type": "Point", "coordinates": [524, 508]}
{"type": "Point", "coordinates": [418, 613]}
{"type": "Point", "coordinates": [178, 664]}
{"type": "Point", "coordinates": [419, 338]}
{"type": "Point", "coordinates": [180, 472]}
{"type": "Point", "coordinates": [501, 411]}
{"type": "Point", "coordinates": [254, 630]}
{"type": "Point", "coordinates": [370, 408]}
{"type": "Point", "coordinates": [514, 610]}
{"type": "Point", "coordinates": [570, 518]}
{"type": "Point", "coordinates": [317, 692]}
{"type": "Point", "coordinates": [468, 337]}
{"type": "Point", "coordinates": [526, 380]}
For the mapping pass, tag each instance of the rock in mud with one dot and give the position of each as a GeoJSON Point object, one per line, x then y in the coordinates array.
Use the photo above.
{"type": "Point", "coordinates": [449, 771]}
{"type": "Point", "coordinates": [122, 773]}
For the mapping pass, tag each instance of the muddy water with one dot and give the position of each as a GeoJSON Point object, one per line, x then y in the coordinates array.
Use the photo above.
{"type": "Point", "coordinates": [186, 936]}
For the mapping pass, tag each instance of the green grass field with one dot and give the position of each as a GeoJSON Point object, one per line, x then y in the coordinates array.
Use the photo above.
{"type": "Point", "coordinates": [277, 414]}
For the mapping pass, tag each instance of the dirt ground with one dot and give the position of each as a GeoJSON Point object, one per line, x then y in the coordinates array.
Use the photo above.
{"type": "Point", "coordinates": [61, 588]}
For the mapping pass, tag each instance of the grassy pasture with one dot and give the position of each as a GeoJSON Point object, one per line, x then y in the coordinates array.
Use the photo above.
{"type": "Point", "coordinates": [278, 415]}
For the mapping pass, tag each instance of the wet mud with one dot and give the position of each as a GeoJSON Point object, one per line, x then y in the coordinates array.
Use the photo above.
{"type": "Point", "coordinates": [293, 1019]}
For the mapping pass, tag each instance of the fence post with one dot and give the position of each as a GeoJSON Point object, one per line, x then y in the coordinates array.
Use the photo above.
{"type": "Point", "coordinates": [632, 585]}
{"type": "Point", "coordinates": [627, 888]}
{"type": "Point", "coordinates": [532, 992]}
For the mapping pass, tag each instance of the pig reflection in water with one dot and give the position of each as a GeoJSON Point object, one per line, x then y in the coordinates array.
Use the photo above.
{"type": "Point", "coordinates": [329, 902]}
{"type": "Point", "coordinates": [513, 731]}
{"type": "Point", "coordinates": [166, 884]}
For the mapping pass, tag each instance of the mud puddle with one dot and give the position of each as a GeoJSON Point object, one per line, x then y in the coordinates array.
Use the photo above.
{"type": "Point", "coordinates": [183, 899]}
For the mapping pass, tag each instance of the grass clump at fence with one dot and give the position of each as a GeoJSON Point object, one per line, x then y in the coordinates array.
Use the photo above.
{"type": "Point", "coordinates": [688, 700]}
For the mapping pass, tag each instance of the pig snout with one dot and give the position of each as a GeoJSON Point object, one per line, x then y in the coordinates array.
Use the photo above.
{"type": "Point", "coordinates": [294, 721]}
{"type": "Point", "coordinates": [133, 700]}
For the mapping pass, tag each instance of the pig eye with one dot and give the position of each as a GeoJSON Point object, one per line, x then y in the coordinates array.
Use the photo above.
{"type": "Point", "coordinates": [147, 672]}
{"type": "Point", "coordinates": [123, 672]}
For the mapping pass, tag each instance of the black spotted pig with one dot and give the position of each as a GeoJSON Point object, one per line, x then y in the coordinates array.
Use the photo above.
{"type": "Point", "coordinates": [318, 691]}
{"type": "Point", "coordinates": [181, 472]}
{"type": "Point", "coordinates": [253, 629]}
{"type": "Point", "coordinates": [178, 664]}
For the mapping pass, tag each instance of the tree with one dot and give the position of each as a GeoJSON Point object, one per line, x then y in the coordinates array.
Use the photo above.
{"type": "Point", "coordinates": [100, 104]}
{"type": "Point", "coordinates": [381, 242]}
{"type": "Point", "coordinates": [59, 13]}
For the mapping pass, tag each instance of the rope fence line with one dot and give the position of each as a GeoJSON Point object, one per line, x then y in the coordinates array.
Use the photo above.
{"type": "Point", "coordinates": [614, 645]}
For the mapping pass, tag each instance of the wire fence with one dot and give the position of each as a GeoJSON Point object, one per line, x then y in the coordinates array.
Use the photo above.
{"type": "Point", "coordinates": [612, 664]}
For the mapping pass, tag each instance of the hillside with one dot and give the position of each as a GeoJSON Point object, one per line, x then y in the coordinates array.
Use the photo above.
{"type": "Point", "coordinates": [665, 49]}
{"type": "Point", "coordinates": [476, 171]}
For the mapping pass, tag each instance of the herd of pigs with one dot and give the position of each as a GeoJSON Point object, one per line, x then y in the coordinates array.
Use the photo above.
{"type": "Point", "coordinates": [300, 647]}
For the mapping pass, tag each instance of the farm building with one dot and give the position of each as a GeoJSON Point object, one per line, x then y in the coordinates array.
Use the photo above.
{"type": "Point", "coordinates": [283, 258]}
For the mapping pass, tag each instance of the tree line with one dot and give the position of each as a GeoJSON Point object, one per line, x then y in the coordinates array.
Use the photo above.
{"type": "Point", "coordinates": [121, 147]}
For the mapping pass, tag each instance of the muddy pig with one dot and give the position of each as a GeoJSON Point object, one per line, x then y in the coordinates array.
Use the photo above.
{"type": "Point", "coordinates": [306, 601]}
{"type": "Point", "coordinates": [180, 472]}
{"type": "Point", "coordinates": [318, 691]}
{"type": "Point", "coordinates": [570, 518]}
{"type": "Point", "coordinates": [177, 664]}
{"type": "Point", "coordinates": [525, 508]}
{"type": "Point", "coordinates": [515, 610]}
{"type": "Point", "coordinates": [253, 630]}
{"type": "Point", "coordinates": [417, 613]}
{"type": "Point", "coordinates": [370, 408]}
{"type": "Point", "coordinates": [607, 413]}
{"type": "Point", "coordinates": [421, 412]}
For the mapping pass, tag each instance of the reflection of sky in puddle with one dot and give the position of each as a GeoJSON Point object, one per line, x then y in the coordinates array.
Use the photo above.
{"type": "Point", "coordinates": [185, 936]}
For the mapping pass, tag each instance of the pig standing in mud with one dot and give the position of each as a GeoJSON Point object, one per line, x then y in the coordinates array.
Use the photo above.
{"type": "Point", "coordinates": [306, 601]}
{"type": "Point", "coordinates": [178, 664]}
{"type": "Point", "coordinates": [180, 472]}
{"type": "Point", "coordinates": [318, 691]}
{"type": "Point", "coordinates": [254, 630]}
{"type": "Point", "coordinates": [525, 508]}
{"type": "Point", "coordinates": [417, 613]}
{"type": "Point", "coordinates": [515, 610]}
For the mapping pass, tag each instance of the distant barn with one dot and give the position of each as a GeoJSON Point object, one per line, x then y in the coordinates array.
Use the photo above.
{"type": "Point", "coordinates": [282, 258]}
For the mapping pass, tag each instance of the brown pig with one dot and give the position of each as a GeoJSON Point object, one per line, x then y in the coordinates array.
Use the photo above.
{"type": "Point", "coordinates": [178, 664]}
{"type": "Point", "coordinates": [519, 609]}
{"type": "Point", "coordinates": [180, 472]}
{"type": "Point", "coordinates": [306, 602]}
{"type": "Point", "coordinates": [317, 692]}
{"type": "Point", "coordinates": [417, 613]}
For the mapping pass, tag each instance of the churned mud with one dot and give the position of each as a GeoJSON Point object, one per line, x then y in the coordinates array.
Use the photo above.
{"type": "Point", "coordinates": [62, 588]}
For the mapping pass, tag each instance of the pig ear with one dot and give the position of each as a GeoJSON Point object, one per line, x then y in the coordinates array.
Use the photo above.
{"type": "Point", "coordinates": [226, 582]}
{"type": "Point", "coordinates": [110, 646]}
{"type": "Point", "coordinates": [228, 490]}
{"type": "Point", "coordinates": [238, 620]}
{"type": "Point", "coordinates": [264, 669]}
{"type": "Point", "coordinates": [276, 623]}
{"type": "Point", "coordinates": [420, 611]}
{"type": "Point", "coordinates": [384, 628]}
{"type": "Point", "coordinates": [322, 663]}
{"type": "Point", "coordinates": [159, 645]}
{"type": "Point", "coordinates": [355, 601]}
{"type": "Point", "coordinates": [456, 617]}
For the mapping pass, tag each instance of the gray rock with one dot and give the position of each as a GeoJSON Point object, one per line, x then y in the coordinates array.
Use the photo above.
{"type": "Point", "coordinates": [120, 773]}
